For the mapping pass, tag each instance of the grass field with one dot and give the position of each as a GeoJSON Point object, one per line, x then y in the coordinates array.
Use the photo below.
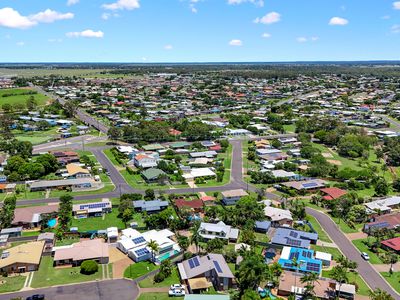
{"type": "Point", "coordinates": [153, 296]}
{"type": "Point", "coordinates": [47, 275]}
{"type": "Point", "coordinates": [139, 269]}
{"type": "Point", "coordinates": [394, 279]}
{"type": "Point", "coordinates": [11, 284]}
{"type": "Point", "coordinates": [19, 98]}
{"type": "Point", "coordinates": [322, 235]}
{"type": "Point", "coordinates": [87, 73]}
{"type": "Point", "coordinates": [148, 282]}
{"type": "Point", "coordinates": [363, 289]}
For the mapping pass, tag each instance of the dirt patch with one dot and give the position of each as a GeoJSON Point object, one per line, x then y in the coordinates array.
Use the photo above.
{"type": "Point", "coordinates": [327, 155]}
{"type": "Point", "coordinates": [335, 162]}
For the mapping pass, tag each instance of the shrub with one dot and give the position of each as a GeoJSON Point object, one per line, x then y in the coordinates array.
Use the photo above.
{"type": "Point", "coordinates": [159, 277]}
{"type": "Point", "coordinates": [89, 267]}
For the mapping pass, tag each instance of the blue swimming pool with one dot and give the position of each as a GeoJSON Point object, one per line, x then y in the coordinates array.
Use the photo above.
{"type": "Point", "coordinates": [52, 223]}
{"type": "Point", "coordinates": [167, 255]}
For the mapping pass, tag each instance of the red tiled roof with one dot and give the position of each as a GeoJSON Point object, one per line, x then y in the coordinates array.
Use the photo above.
{"type": "Point", "coordinates": [392, 243]}
{"type": "Point", "coordinates": [333, 193]}
{"type": "Point", "coordinates": [207, 198]}
{"type": "Point", "coordinates": [195, 203]}
{"type": "Point", "coordinates": [215, 148]}
{"type": "Point", "coordinates": [174, 132]}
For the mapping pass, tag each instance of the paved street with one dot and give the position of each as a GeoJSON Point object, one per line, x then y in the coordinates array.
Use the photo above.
{"type": "Point", "coordinates": [120, 289]}
{"type": "Point", "coordinates": [365, 269]}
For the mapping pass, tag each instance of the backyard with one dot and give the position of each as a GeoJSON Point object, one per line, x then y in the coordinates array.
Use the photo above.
{"type": "Point", "coordinates": [139, 269]}
{"type": "Point", "coordinates": [172, 279]}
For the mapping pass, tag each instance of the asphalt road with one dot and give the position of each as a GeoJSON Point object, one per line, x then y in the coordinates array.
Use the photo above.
{"type": "Point", "coordinates": [120, 289]}
{"type": "Point", "coordinates": [365, 269]}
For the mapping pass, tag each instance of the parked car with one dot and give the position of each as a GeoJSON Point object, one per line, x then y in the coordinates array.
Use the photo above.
{"type": "Point", "coordinates": [177, 286]}
{"type": "Point", "coordinates": [176, 292]}
{"type": "Point", "coordinates": [36, 297]}
{"type": "Point", "coordinates": [365, 255]}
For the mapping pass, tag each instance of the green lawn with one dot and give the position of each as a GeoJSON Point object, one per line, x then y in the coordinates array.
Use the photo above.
{"type": "Point", "coordinates": [111, 157]}
{"type": "Point", "coordinates": [47, 275]}
{"type": "Point", "coordinates": [362, 247]}
{"type": "Point", "coordinates": [363, 289]}
{"type": "Point", "coordinates": [139, 269]}
{"type": "Point", "coordinates": [261, 237]}
{"type": "Point", "coordinates": [394, 279]}
{"type": "Point", "coordinates": [20, 98]}
{"type": "Point", "coordinates": [322, 235]}
{"type": "Point", "coordinates": [67, 241]}
{"type": "Point", "coordinates": [334, 251]}
{"type": "Point", "coordinates": [30, 233]}
{"type": "Point", "coordinates": [343, 226]}
{"type": "Point", "coordinates": [289, 128]}
{"type": "Point", "coordinates": [153, 296]}
{"type": "Point", "coordinates": [11, 284]}
{"type": "Point", "coordinates": [98, 223]}
{"type": "Point", "coordinates": [148, 282]}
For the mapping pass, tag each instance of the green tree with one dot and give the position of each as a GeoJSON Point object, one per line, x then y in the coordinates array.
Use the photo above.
{"type": "Point", "coordinates": [379, 294]}
{"type": "Point", "coordinates": [154, 249]}
{"type": "Point", "coordinates": [89, 267]}
{"type": "Point", "coordinates": [65, 211]}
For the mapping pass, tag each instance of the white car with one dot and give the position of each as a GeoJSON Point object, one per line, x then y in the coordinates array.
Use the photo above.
{"type": "Point", "coordinates": [177, 286]}
{"type": "Point", "coordinates": [365, 255]}
{"type": "Point", "coordinates": [176, 292]}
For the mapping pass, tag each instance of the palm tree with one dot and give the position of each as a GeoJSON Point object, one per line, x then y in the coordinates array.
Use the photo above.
{"type": "Point", "coordinates": [196, 237]}
{"type": "Point", "coordinates": [339, 274]}
{"type": "Point", "coordinates": [310, 280]}
{"type": "Point", "coordinates": [391, 258]}
{"type": "Point", "coordinates": [166, 267]}
{"type": "Point", "coordinates": [183, 242]}
{"type": "Point", "coordinates": [379, 294]}
{"type": "Point", "coordinates": [154, 248]}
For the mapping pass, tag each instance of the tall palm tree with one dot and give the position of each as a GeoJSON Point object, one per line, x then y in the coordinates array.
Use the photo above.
{"type": "Point", "coordinates": [379, 294]}
{"type": "Point", "coordinates": [154, 248]}
{"type": "Point", "coordinates": [339, 274]}
{"type": "Point", "coordinates": [295, 264]}
{"type": "Point", "coordinates": [310, 280]}
{"type": "Point", "coordinates": [196, 237]}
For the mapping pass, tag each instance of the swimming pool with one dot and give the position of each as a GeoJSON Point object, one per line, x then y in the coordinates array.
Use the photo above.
{"type": "Point", "coordinates": [167, 255]}
{"type": "Point", "coordinates": [52, 223]}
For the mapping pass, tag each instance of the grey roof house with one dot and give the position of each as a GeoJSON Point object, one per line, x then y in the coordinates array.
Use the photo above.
{"type": "Point", "coordinates": [152, 206]}
{"type": "Point", "coordinates": [294, 238]}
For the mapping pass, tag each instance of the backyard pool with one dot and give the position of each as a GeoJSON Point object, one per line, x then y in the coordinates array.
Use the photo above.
{"type": "Point", "coordinates": [167, 255]}
{"type": "Point", "coordinates": [52, 223]}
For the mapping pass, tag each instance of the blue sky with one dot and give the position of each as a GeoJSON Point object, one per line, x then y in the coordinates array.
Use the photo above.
{"type": "Point", "coordinates": [198, 30]}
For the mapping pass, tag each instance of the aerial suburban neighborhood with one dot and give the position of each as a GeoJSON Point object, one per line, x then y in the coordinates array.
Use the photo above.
{"type": "Point", "coordinates": [199, 150]}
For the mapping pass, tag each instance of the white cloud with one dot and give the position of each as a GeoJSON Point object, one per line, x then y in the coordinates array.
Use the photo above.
{"type": "Point", "coordinates": [395, 28]}
{"type": "Point", "coordinates": [266, 35]}
{"type": "Point", "coordinates": [55, 40]}
{"type": "Point", "coordinates": [72, 2]}
{"type": "Point", "coordinates": [50, 16]}
{"type": "Point", "coordinates": [193, 9]}
{"type": "Point", "coordinates": [396, 5]}
{"type": "Point", "coordinates": [301, 39]}
{"type": "Point", "coordinates": [122, 4]}
{"type": "Point", "coordinates": [106, 16]}
{"type": "Point", "coordinates": [12, 19]}
{"type": "Point", "coordinates": [387, 17]}
{"type": "Point", "coordinates": [259, 3]}
{"type": "Point", "coordinates": [236, 43]}
{"type": "Point", "coordinates": [314, 38]}
{"type": "Point", "coordinates": [338, 21]}
{"type": "Point", "coordinates": [88, 33]}
{"type": "Point", "coordinates": [269, 18]}
{"type": "Point", "coordinates": [168, 47]}
{"type": "Point", "coordinates": [20, 44]}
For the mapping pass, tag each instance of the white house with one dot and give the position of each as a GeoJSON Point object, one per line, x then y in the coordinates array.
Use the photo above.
{"type": "Point", "coordinates": [210, 231]}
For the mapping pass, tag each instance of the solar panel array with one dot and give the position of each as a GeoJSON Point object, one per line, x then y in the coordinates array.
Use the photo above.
{"type": "Point", "coordinates": [217, 266]}
{"type": "Point", "coordinates": [380, 225]}
{"type": "Point", "coordinates": [313, 267]}
{"type": "Point", "coordinates": [293, 234]}
{"type": "Point", "coordinates": [292, 242]}
{"type": "Point", "coordinates": [194, 262]}
{"type": "Point", "coordinates": [306, 254]}
{"type": "Point", "coordinates": [93, 205]}
{"type": "Point", "coordinates": [141, 252]}
{"type": "Point", "coordinates": [294, 255]}
{"type": "Point", "coordinates": [288, 265]}
{"type": "Point", "coordinates": [139, 240]}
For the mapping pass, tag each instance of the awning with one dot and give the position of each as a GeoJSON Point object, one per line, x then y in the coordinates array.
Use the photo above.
{"type": "Point", "coordinates": [199, 283]}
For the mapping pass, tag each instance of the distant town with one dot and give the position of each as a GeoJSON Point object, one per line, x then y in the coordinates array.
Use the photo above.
{"type": "Point", "coordinates": [200, 181]}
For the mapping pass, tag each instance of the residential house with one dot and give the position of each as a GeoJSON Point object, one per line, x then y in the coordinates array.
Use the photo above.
{"type": "Point", "coordinates": [75, 171]}
{"type": "Point", "coordinates": [94, 209]}
{"type": "Point", "coordinates": [49, 240]}
{"type": "Point", "coordinates": [152, 174]}
{"type": "Point", "coordinates": [202, 272]}
{"type": "Point", "coordinates": [197, 173]}
{"type": "Point", "coordinates": [30, 217]}
{"type": "Point", "coordinates": [195, 205]}
{"type": "Point", "coordinates": [206, 154]}
{"type": "Point", "coordinates": [210, 231]}
{"type": "Point", "coordinates": [305, 185]}
{"type": "Point", "coordinates": [232, 196]}
{"type": "Point", "coordinates": [332, 193]}
{"type": "Point", "coordinates": [145, 161]}
{"type": "Point", "coordinates": [293, 237]}
{"type": "Point", "coordinates": [305, 257]}
{"type": "Point", "coordinates": [278, 216]}
{"type": "Point", "coordinates": [78, 183]}
{"type": "Point", "coordinates": [152, 206]}
{"type": "Point", "coordinates": [392, 244]}
{"type": "Point", "coordinates": [7, 187]}
{"type": "Point", "coordinates": [77, 253]}
{"type": "Point", "coordinates": [383, 205]}
{"type": "Point", "coordinates": [12, 232]}
{"type": "Point", "coordinates": [22, 258]}
{"type": "Point", "coordinates": [66, 157]}
{"type": "Point", "coordinates": [389, 221]}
